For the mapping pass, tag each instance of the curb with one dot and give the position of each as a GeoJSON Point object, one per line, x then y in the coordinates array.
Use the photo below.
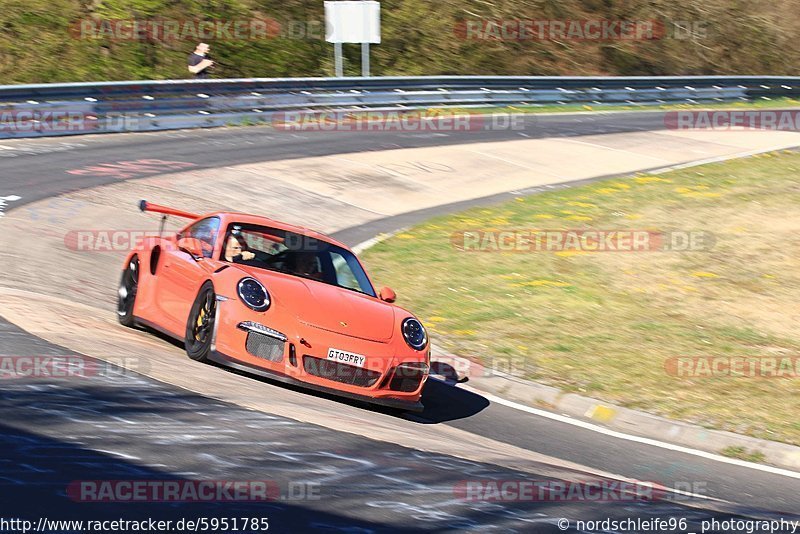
{"type": "Point", "coordinates": [455, 369]}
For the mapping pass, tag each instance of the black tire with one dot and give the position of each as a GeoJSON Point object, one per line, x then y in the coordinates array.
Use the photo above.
{"type": "Point", "coordinates": [200, 326]}
{"type": "Point", "coordinates": [126, 295]}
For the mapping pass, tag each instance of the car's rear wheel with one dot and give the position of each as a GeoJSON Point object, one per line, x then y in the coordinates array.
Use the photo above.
{"type": "Point", "coordinates": [200, 326]}
{"type": "Point", "coordinates": [126, 295]}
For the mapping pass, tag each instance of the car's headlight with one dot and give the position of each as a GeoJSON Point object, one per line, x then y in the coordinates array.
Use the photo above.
{"type": "Point", "coordinates": [253, 294]}
{"type": "Point", "coordinates": [414, 334]}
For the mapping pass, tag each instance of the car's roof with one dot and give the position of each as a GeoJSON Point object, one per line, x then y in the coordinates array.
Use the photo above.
{"type": "Point", "coordinates": [231, 216]}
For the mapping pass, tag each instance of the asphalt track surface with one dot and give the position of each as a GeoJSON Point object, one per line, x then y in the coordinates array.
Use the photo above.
{"type": "Point", "coordinates": [128, 426]}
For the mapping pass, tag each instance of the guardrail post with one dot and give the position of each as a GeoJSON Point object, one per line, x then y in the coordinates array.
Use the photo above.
{"type": "Point", "coordinates": [365, 60]}
{"type": "Point", "coordinates": [337, 58]}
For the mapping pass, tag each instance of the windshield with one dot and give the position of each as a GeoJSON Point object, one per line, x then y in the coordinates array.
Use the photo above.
{"type": "Point", "coordinates": [287, 252]}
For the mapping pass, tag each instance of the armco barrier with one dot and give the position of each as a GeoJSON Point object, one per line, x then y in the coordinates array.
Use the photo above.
{"type": "Point", "coordinates": [78, 108]}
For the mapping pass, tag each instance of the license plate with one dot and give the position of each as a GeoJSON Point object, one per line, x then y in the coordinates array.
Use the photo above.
{"type": "Point", "coordinates": [348, 358]}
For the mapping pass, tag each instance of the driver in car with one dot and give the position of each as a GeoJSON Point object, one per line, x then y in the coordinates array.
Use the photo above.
{"type": "Point", "coordinates": [236, 250]}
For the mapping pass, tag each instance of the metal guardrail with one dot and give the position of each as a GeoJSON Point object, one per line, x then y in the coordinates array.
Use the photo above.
{"type": "Point", "coordinates": [79, 108]}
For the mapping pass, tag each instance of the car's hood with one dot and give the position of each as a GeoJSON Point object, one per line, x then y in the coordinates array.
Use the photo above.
{"type": "Point", "coordinates": [329, 307]}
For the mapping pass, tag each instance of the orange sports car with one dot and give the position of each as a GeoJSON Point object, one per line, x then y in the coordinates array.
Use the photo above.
{"type": "Point", "coordinates": [279, 301]}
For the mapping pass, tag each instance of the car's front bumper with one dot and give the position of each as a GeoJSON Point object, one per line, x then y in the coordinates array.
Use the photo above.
{"type": "Point", "coordinates": [228, 361]}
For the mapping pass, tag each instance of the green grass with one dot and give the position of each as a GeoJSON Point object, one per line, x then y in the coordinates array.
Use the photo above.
{"type": "Point", "coordinates": [740, 453]}
{"type": "Point", "coordinates": [605, 324]}
{"type": "Point", "coordinates": [38, 42]}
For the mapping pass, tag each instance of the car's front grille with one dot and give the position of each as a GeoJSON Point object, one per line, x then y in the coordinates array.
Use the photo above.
{"type": "Point", "coordinates": [265, 347]}
{"type": "Point", "coordinates": [339, 372]}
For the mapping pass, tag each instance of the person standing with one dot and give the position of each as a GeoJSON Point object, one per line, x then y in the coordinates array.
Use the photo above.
{"type": "Point", "coordinates": [198, 63]}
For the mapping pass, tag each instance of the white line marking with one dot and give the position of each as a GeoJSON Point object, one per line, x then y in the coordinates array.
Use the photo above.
{"type": "Point", "coordinates": [5, 200]}
{"type": "Point", "coordinates": [536, 167]}
{"type": "Point", "coordinates": [622, 150]}
{"type": "Point", "coordinates": [635, 439]}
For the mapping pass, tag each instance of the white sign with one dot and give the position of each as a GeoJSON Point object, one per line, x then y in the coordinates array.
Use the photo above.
{"type": "Point", "coordinates": [353, 22]}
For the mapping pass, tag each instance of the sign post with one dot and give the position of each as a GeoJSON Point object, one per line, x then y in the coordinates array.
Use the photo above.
{"type": "Point", "coordinates": [351, 21]}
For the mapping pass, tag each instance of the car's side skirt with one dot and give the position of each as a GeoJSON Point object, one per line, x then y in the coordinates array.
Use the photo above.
{"type": "Point", "coordinates": [154, 326]}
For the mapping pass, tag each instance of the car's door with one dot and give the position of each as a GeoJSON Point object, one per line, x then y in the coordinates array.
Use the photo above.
{"type": "Point", "coordinates": [183, 274]}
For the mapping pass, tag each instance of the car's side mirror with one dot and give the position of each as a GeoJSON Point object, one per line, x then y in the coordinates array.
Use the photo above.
{"type": "Point", "coordinates": [387, 294]}
{"type": "Point", "coordinates": [191, 246]}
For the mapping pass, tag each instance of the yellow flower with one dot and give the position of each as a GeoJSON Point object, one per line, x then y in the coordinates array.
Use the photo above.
{"type": "Point", "coordinates": [581, 204]}
{"type": "Point", "coordinates": [689, 192]}
{"type": "Point", "coordinates": [649, 179]}
{"type": "Point", "coordinates": [405, 236]}
{"type": "Point", "coordinates": [579, 218]}
{"type": "Point", "coordinates": [704, 274]}
{"type": "Point", "coordinates": [607, 191]}
{"type": "Point", "coordinates": [543, 216]}
{"type": "Point", "coordinates": [568, 253]}
{"type": "Point", "coordinates": [699, 194]}
{"type": "Point", "coordinates": [540, 283]}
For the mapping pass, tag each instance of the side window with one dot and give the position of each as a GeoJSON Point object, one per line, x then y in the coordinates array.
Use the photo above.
{"type": "Point", "coordinates": [344, 275]}
{"type": "Point", "coordinates": [206, 231]}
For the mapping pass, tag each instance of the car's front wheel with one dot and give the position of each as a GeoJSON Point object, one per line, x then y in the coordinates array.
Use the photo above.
{"type": "Point", "coordinates": [200, 326]}
{"type": "Point", "coordinates": [126, 295]}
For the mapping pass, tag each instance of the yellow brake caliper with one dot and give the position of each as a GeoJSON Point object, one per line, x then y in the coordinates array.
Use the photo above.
{"type": "Point", "coordinates": [199, 322]}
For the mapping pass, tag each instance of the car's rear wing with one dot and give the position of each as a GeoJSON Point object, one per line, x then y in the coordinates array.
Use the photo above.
{"type": "Point", "coordinates": [155, 208]}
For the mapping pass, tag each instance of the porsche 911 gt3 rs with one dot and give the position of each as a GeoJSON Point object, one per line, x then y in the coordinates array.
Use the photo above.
{"type": "Point", "coordinates": [279, 301]}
